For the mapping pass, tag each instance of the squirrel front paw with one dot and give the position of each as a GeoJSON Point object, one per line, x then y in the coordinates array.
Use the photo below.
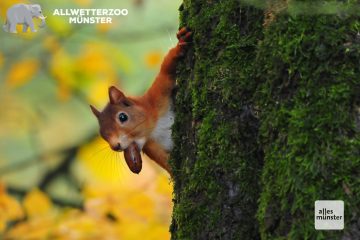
{"type": "Point", "coordinates": [184, 36]}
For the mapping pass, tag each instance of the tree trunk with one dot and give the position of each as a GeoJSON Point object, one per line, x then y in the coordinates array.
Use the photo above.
{"type": "Point", "coordinates": [267, 122]}
{"type": "Point", "coordinates": [217, 160]}
{"type": "Point", "coordinates": [309, 97]}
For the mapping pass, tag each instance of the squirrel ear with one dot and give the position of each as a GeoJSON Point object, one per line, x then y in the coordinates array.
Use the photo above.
{"type": "Point", "coordinates": [95, 111]}
{"type": "Point", "coordinates": [115, 95]}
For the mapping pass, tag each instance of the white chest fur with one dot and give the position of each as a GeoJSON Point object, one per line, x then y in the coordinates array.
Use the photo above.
{"type": "Point", "coordinates": [162, 131]}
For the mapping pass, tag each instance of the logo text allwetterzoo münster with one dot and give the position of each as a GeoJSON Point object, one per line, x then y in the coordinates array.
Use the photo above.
{"type": "Point", "coordinates": [90, 16]}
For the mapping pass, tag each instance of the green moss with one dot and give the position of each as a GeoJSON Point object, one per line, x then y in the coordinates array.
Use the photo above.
{"type": "Point", "coordinates": [302, 75]}
{"type": "Point", "coordinates": [310, 86]}
{"type": "Point", "coordinates": [216, 160]}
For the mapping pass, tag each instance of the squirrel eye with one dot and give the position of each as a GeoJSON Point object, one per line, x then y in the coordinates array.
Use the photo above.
{"type": "Point", "coordinates": [123, 117]}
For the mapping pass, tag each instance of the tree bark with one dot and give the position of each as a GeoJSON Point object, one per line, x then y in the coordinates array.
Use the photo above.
{"type": "Point", "coordinates": [217, 160]}
{"type": "Point", "coordinates": [309, 98]}
{"type": "Point", "coordinates": [267, 121]}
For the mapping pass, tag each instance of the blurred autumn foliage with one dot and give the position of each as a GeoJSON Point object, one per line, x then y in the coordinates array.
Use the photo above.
{"type": "Point", "coordinates": [58, 179]}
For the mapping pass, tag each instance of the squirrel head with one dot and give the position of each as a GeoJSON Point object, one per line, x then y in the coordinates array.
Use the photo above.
{"type": "Point", "coordinates": [122, 121]}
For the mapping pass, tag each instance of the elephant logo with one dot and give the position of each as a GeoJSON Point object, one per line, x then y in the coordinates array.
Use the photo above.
{"type": "Point", "coordinates": [23, 14]}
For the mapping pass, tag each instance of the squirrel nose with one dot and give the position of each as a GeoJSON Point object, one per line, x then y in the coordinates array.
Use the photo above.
{"type": "Point", "coordinates": [117, 147]}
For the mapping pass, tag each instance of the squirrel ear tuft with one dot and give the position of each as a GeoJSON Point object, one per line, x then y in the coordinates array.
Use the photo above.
{"type": "Point", "coordinates": [95, 111]}
{"type": "Point", "coordinates": [115, 95]}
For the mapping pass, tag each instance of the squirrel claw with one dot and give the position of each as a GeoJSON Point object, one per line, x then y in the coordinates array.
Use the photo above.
{"type": "Point", "coordinates": [184, 35]}
{"type": "Point", "coordinates": [181, 32]}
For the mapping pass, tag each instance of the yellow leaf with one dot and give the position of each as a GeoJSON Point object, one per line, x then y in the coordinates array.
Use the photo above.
{"type": "Point", "coordinates": [5, 4]}
{"type": "Point", "coordinates": [33, 228]}
{"type": "Point", "coordinates": [10, 209]}
{"type": "Point", "coordinates": [120, 59]}
{"type": "Point", "coordinates": [141, 205]}
{"type": "Point", "coordinates": [158, 232]}
{"type": "Point", "coordinates": [94, 59]}
{"type": "Point", "coordinates": [2, 224]}
{"type": "Point", "coordinates": [2, 60]}
{"type": "Point", "coordinates": [62, 69]}
{"type": "Point", "coordinates": [14, 210]}
{"type": "Point", "coordinates": [98, 94]}
{"type": "Point", "coordinates": [163, 185]}
{"type": "Point", "coordinates": [106, 27]}
{"type": "Point", "coordinates": [22, 72]}
{"type": "Point", "coordinates": [37, 203]}
{"type": "Point", "coordinates": [153, 59]}
{"type": "Point", "coordinates": [77, 225]}
{"type": "Point", "coordinates": [102, 163]}
{"type": "Point", "coordinates": [51, 44]}
{"type": "Point", "coordinates": [59, 25]}
{"type": "Point", "coordinates": [83, 3]}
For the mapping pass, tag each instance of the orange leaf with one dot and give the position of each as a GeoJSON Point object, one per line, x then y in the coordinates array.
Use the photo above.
{"type": "Point", "coordinates": [153, 59]}
{"type": "Point", "coordinates": [22, 72]}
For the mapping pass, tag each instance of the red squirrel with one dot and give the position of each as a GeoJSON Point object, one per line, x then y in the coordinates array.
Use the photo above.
{"type": "Point", "coordinates": [135, 124]}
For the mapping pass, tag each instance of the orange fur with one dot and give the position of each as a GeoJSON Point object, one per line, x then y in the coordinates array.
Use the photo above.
{"type": "Point", "coordinates": [154, 151]}
{"type": "Point", "coordinates": [143, 112]}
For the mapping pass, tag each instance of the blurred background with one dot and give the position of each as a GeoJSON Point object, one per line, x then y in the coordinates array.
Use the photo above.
{"type": "Point", "coordinates": [58, 179]}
